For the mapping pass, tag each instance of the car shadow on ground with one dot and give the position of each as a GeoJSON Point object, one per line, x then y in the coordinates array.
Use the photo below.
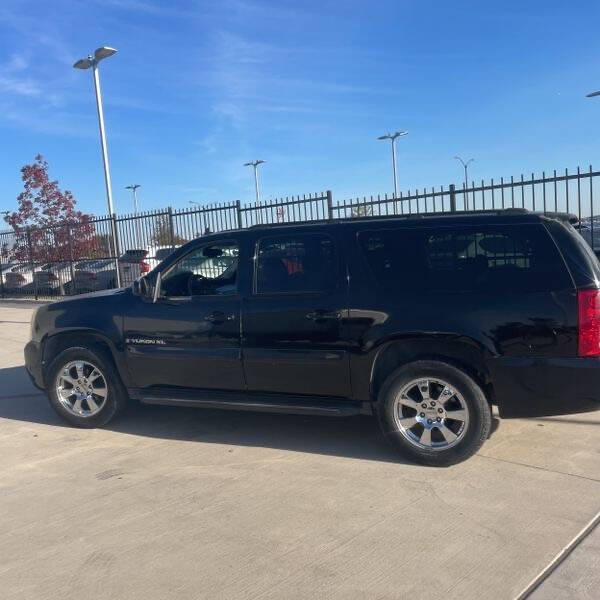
{"type": "Point", "coordinates": [351, 437]}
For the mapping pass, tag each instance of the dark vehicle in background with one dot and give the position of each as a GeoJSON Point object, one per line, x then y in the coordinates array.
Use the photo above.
{"type": "Point", "coordinates": [424, 321]}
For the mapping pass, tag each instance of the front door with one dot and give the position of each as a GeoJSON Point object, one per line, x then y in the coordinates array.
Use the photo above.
{"type": "Point", "coordinates": [294, 317]}
{"type": "Point", "coordinates": [190, 337]}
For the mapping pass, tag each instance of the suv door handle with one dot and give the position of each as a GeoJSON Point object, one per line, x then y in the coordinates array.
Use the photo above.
{"type": "Point", "coordinates": [218, 317]}
{"type": "Point", "coordinates": [323, 315]}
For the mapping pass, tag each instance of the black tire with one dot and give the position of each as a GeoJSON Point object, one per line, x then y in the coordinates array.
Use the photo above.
{"type": "Point", "coordinates": [474, 432]}
{"type": "Point", "coordinates": [116, 397]}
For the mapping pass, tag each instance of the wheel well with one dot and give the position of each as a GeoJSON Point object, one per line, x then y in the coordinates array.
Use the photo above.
{"type": "Point", "coordinates": [57, 343]}
{"type": "Point", "coordinates": [463, 356]}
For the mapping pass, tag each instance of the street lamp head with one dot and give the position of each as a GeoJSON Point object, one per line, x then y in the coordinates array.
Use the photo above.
{"type": "Point", "coordinates": [464, 163]}
{"type": "Point", "coordinates": [135, 186]}
{"type": "Point", "coordinates": [104, 52]}
{"type": "Point", "coordinates": [100, 54]}
{"type": "Point", "coordinates": [592, 94]}
{"type": "Point", "coordinates": [392, 136]}
{"type": "Point", "coordinates": [84, 63]}
{"type": "Point", "coordinates": [254, 163]}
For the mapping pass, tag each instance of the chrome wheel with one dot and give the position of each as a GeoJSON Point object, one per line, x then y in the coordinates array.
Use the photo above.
{"type": "Point", "coordinates": [431, 414]}
{"type": "Point", "coordinates": [81, 388]}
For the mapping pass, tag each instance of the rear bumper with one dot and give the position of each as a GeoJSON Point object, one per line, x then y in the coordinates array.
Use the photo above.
{"type": "Point", "coordinates": [33, 363]}
{"type": "Point", "coordinates": [527, 387]}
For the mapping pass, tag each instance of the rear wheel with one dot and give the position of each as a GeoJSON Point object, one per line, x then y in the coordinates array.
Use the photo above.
{"type": "Point", "coordinates": [434, 412]}
{"type": "Point", "coordinates": [84, 387]}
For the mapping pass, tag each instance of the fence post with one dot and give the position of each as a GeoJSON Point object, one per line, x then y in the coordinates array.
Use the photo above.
{"type": "Point", "coordinates": [30, 256]}
{"type": "Point", "coordinates": [238, 212]}
{"type": "Point", "coordinates": [329, 205]}
{"type": "Point", "coordinates": [171, 229]}
{"type": "Point", "coordinates": [70, 238]}
{"type": "Point", "coordinates": [452, 198]}
{"type": "Point", "coordinates": [115, 232]}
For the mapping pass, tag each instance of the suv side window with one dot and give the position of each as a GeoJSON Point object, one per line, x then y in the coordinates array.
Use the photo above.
{"type": "Point", "coordinates": [206, 271]}
{"type": "Point", "coordinates": [485, 258]}
{"type": "Point", "coordinates": [295, 264]}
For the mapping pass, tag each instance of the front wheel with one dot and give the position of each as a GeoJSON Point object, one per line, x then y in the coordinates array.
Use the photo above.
{"type": "Point", "coordinates": [434, 412]}
{"type": "Point", "coordinates": [84, 387]}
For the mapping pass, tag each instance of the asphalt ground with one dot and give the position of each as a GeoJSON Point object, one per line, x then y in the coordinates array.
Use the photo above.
{"type": "Point", "coordinates": [187, 503]}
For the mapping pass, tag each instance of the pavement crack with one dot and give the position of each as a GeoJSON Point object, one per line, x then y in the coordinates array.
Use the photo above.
{"type": "Point", "coordinates": [514, 462]}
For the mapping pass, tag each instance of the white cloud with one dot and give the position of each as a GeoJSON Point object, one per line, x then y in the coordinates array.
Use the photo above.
{"type": "Point", "coordinates": [20, 87]}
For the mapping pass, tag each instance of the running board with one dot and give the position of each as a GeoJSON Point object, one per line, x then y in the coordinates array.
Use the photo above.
{"type": "Point", "coordinates": [253, 401]}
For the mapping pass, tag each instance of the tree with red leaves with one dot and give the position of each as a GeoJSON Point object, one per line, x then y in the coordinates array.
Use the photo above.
{"type": "Point", "coordinates": [46, 224]}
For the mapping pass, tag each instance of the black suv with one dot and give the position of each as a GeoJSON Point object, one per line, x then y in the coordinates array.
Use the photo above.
{"type": "Point", "coordinates": [425, 321]}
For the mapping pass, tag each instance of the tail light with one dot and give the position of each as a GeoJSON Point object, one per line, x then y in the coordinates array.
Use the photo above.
{"type": "Point", "coordinates": [589, 322]}
{"type": "Point", "coordinates": [144, 267]}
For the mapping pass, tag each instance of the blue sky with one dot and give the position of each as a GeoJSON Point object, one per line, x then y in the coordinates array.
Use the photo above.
{"type": "Point", "coordinates": [200, 87]}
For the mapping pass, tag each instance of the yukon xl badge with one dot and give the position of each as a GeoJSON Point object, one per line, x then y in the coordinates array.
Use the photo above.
{"type": "Point", "coordinates": [150, 341]}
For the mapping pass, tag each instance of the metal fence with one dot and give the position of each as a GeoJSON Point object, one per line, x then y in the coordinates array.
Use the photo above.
{"type": "Point", "coordinates": [79, 257]}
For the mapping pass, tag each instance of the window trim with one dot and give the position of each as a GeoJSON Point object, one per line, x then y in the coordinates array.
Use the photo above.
{"type": "Point", "coordinates": [313, 293]}
{"type": "Point", "coordinates": [200, 246]}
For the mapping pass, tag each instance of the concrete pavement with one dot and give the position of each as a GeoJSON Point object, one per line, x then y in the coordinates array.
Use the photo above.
{"type": "Point", "coordinates": [182, 503]}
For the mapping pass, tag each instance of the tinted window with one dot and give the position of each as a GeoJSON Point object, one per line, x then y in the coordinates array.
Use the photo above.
{"type": "Point", "coordinates": [206, 271]}
{"type": "Point", "coordinates": [507, 258]}
{"type": "Point", "coordinates": [295, 264]}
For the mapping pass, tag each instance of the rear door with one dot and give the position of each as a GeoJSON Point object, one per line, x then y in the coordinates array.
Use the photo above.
{"type": "Point", "coordinates": [294, 318]}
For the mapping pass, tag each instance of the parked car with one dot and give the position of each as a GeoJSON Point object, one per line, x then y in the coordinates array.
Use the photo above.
{"type": "Point", "coordinates": [53, 278]}
{"type": "Point", "coordinates": [19, 276]}
{"type": "Point", "coordinates": [100, 274]}
{"type": "Point", "coordinates": [156, 254]}
{"type": "Point", "coordinates": [132, 264]}
{"type": "Point", "coordinates": [591, 236]}
{"type": "Point", "coordinates": [94, 275]}
{"type": "Point", "coordinates": [423, 321]}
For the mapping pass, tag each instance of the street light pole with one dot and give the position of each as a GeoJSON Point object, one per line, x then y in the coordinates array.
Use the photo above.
{"type": "Point", "coordinates": [466, 166]}
{"type": "Point", "coordinates": [134, 187]}
{"type": "Point", "coordinates": [392, 137]}
{"type": "Point", "coordinates": [255, 163]}
{"type": "Point", "coordinates": [85, 63]}
{"type": "Point", "coordinates": [138, 233]}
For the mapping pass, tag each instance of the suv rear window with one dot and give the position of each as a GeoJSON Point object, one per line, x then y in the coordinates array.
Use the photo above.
{"type": "Point", "coordinates": [499, 258]}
